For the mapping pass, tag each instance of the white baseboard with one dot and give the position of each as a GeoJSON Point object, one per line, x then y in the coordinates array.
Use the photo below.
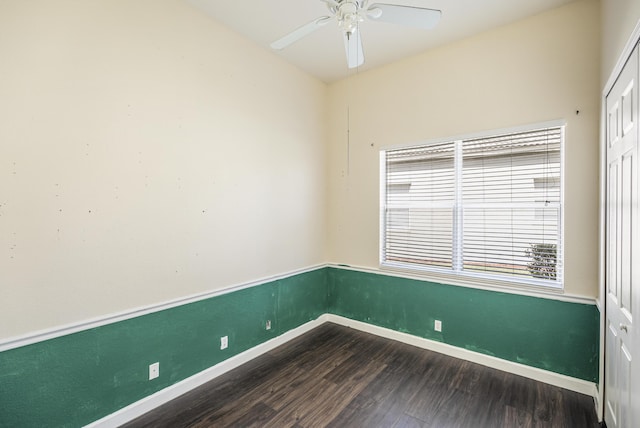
{"type": "Point", "coordinates": [161, 397]}
{"type": "Point", "coordinates": [556, 379]}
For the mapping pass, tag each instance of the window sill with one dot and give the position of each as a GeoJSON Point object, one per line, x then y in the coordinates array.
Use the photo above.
{"type": "Point", "coordinates": [473, 280]}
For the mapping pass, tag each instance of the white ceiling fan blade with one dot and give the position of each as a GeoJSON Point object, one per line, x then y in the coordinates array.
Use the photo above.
{"type": "Point", "coordinates": [353, 47]}
{"type": "Point", "coordinates": [417, 17]}
{"type": "Point", "coordinates": [299, 33]}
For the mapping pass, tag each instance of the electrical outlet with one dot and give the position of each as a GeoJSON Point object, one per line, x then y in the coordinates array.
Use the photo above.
{"type": "Point", "coordinates": [268, 325]}
{"type": "Point", "coordinates": [224, 342]}
{"type": "Point", "coordinates": [154, 370]}
{"type": "Point", "coordinates": [437, 325]}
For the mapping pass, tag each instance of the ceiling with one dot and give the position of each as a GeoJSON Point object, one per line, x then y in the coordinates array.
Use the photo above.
{"type": "Point", "coordinates": [322, 54]}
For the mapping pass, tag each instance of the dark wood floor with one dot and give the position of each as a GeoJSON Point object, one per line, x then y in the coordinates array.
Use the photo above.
{"type": "Point", "coordinates": [338, 377]}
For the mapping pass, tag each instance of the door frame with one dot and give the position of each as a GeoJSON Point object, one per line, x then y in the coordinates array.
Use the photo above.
{"type": "Point", "coordinates": [601, 300]}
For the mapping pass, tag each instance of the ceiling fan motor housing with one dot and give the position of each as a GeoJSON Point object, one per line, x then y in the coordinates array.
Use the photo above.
{"type": "Point", "coordinates": [349, 14]}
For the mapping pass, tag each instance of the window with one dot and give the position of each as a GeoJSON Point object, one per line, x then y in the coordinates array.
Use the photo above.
{"type": "Point", "coordinates": [488, 208]}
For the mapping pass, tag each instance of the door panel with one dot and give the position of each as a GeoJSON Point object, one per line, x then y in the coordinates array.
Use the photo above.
{"type": "Point", "coordinates": [626, 266]}
{"type": "Point", "coordinates": [624, 412]}
{"type": "Point", "coordinates": [628, 106]}
{"type": "Point", "coordinates": [613, 134]}
{"type": "Point", "coordinates": [611, 368]}
{"type": "Point", "coordinates": [613, 264]}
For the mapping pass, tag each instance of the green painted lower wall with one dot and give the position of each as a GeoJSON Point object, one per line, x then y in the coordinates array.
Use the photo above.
{"type": "Point", "coordinates": [558, 336]}
{"type": "Point", "coordinates": [79, 378]}
{"type": "Point", "coordinates": [76, 379]}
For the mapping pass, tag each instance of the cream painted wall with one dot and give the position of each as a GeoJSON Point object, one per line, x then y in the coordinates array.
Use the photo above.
{"type": "Point", "coordinates": [619, 18]}
{"type": "Point", "coordinates": [542, 68]}
{"type": "Point", "coordinates": [147, 153]}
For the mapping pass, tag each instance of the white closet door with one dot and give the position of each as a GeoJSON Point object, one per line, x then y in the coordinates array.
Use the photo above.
{"type": "Point", "coordinates": [622, 380]}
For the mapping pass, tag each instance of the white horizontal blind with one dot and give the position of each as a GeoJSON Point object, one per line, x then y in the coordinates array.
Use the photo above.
{"type": "Point", "coordinates": [420, 196]}
{"type": "Point", "coordinates": [485, 206]}
{"type": "Point", "coordinates": [511, 204]}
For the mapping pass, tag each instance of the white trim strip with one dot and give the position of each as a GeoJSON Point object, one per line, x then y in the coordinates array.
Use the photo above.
{"type": "Point", "coordinates": [52, 333]}
{"type": "Point", "coordinates": [39, 336]}
{"type": "Point", "coordinates": [165, 395]}
{"type": "Point", "coordinates": [633, 40]}
{"type": "Point", "coordinates": [551, 378]}
{"type": "Point", "coordinates": [600, 302]}
{"type": "Point", "coordinates": [547, 293]}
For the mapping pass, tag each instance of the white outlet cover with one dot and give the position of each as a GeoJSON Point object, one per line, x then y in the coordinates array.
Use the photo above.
{"type": "Point", "coordinates": [224, 342]}
{"type": "Point", "coordinates": [437, 325]}
{"type": "Point", "coordinates": [268, 325]}
{"type": "Point", "coordinates": [154, 370]}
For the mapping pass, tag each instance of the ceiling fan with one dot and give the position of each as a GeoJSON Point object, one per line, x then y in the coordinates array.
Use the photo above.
{"type": "Point", "coordinates": [350, 13]}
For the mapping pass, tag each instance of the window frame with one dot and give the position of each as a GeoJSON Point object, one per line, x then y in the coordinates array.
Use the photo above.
{"type": "Point", "coordinates": [455, 275]}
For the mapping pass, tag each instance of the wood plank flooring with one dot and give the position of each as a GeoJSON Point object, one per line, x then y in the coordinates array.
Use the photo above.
{"type": "Point", "coordinates": [334, 376]}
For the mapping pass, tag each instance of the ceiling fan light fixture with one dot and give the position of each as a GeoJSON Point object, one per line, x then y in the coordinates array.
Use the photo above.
{"type": "Point", "coordinates": [348, 15]}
